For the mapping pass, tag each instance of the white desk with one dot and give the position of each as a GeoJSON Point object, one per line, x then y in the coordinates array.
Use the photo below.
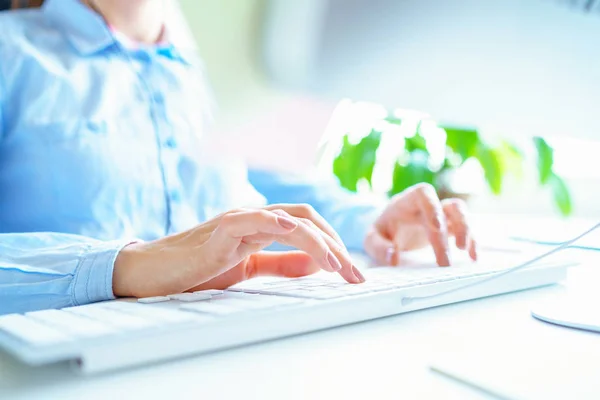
{"type": "Point", "coordinates": [386, 358]}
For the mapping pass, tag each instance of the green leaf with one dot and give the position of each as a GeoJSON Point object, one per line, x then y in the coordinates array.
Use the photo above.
{"type": "Point", "coordinates": [415, 171]}
{"type": "Point", "coordinates": [491, 162]}
{"type": "Point", "coordinates": [416, 142]}
{"type": "Point", "coordinates": [545, 159]}
{"type": "Point", "coordinates": [393, 120]}
{"type": "Point", "coordinates": [462, 141]}
{"type": "Point", "coordinates": [356, 162]}
{"type": "Point", "coordinates": [561, 194]}
{"type": "Point", "coordinates": [511, 158]}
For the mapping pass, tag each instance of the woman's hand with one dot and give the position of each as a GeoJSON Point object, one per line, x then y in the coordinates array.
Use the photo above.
{"type": "Point", "coordinates": [226, 250]}
{"type": "Point", "coordinates": [416, 218]}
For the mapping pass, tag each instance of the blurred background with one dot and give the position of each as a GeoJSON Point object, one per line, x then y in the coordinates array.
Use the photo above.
{"type": "Point", "coordinates": [510, 69]}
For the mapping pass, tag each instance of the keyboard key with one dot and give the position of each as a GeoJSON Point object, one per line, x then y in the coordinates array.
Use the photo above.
{"type": "Point", "coordinates": [155, 299]}
{"type": "Point", "coordinates": [334, 285]}
{"type": "Point", "coordinates": [244, 304]}
{"type": "Point", "coordinates": [212, 292]}
{"type": "Point", "coordinates": [289, 289]}
{"type": "Point", "coordinates": [210, 308]}
{"type": "Point", "coordinates": [327, 294]}
{"type": "Point", "coordinates": [158, 314]}
{"type": "Point", "coordinates": [190, 297]}
{"type": "Point", "coordinates": [114, 318]}
{"type": "Point", "coordinates": [378, 286]}
{"type": "Point", "coordinates": [279, 300]}
{"type": "Point", "coordinates": [378, 279]}
{"type": "Point", "coordinates": [71, 323]}
{"type": "Point", "coordinates": [31, 331]}
{"type": "Point", "coordinates": [354, 289]}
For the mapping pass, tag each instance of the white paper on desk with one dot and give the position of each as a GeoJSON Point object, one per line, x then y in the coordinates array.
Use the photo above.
{"type": "Point", "coordinates": [546, 369]}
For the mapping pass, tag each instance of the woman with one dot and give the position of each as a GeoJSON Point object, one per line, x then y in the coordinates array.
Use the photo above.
{"type": "Point", "coordinates": [101, 113]}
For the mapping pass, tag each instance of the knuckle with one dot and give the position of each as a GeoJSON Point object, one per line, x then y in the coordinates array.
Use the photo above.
{"type": "Point", "coordinates": [306, 210]}
{"type": "Point", "coordinates": [308, 222]}
{"type": "Point", "coordinates": [460, 206]}
{"type": "Point", "coordinates": [234, 211]}
{"type": "Point", "coordinates": [263, 214]}
{"type": "Point", "coordinates": [424, 188]}
{"type": "Point", "coordinates": [455, 204]}
{"type": "Point", "coordinates": [227, 221]}
{"type": "Point", "coordinates": [280, 211]}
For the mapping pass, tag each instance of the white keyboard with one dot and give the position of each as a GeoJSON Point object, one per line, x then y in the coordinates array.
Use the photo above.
{"type": "Point", "coordinates": [126, 332]}
{"type": "Point", "coordinates": [378, 280]}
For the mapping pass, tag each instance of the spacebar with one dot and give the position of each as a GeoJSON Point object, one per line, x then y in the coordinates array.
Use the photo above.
{"type": "Point", "coordinates": [304, 294]}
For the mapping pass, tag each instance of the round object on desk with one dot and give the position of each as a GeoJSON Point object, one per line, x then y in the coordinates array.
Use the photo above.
{"type": "Point", "coordinates": [574, 311]}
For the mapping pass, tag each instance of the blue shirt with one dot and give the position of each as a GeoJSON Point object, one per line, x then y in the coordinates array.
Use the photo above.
{"type": "Point", "coordinates": [100, 144]}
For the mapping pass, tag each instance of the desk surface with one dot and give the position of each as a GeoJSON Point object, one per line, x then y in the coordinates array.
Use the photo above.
{"type": "Point", "coordinates": [385, 358]}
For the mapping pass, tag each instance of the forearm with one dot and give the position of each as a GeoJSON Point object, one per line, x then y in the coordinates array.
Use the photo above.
{"type": "Point", "coordinates": [51, 270]}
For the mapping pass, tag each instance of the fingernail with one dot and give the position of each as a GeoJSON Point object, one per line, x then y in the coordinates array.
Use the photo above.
{"type": "Point", "coordinates": [357, 273]}
{"type": "Point", "coordinates": [286, 223]}
{"type": "Point", "coordinates": [333, 262]}
{"type": "Point", "coordinates": [389, 256]}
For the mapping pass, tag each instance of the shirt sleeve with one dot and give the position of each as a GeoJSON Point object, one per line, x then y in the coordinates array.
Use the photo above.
{"type": "Point", "coordinates": [53, 270]}
{"type": "Point", "coordinates": [351, 215]}
{"type": "Point", "coordinates": [2, 97]}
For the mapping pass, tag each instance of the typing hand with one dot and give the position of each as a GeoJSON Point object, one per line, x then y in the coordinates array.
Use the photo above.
{"type": "Point", "coordinates": [415, 218]}
{"type": "Point", "coordinates": [227, 250]}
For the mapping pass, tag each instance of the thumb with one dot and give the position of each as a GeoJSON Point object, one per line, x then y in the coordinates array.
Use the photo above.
{"type": "Point", "coordinates": [381, 249]}
{"type": "Point", "coordinates": [289, 264]}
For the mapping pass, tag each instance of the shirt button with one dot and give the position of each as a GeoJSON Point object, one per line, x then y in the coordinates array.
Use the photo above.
{"type": "Point", "coordinates": [171, 143]}
{"type": "Point", "coordinates": [175, 196]}
{"type": "Point", "coordinates": [158, 98]}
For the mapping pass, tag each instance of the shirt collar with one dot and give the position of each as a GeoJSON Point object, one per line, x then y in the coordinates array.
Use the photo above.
{"type": "Point", "coordinates": [88, 33]}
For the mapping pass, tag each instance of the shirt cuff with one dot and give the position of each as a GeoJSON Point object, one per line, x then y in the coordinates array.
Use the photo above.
{"type": "Point", "coordinates": [94, 275]}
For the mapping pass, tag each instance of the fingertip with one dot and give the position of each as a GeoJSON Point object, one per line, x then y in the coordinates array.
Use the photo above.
{"type": "Point", "coordinates": [359, 276]}
{"type": "Point", "coordinates": [461, 242]}
{"type": "Point", "coordinates": [349, 275]}
{"type": "Point", "coordinates": [473, 251]}
{"type": "Point", "coordinates": [443, 259]}
{"type": "Point", "coordinates": [391, 256]}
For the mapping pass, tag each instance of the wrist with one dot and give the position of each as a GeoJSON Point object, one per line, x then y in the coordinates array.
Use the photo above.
{"type": "Point", "coordinates": [124, 270]}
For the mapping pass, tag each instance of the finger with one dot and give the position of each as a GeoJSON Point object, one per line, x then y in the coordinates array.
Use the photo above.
{"type": "Point", "coordinates": [246, 223]}
{"type": "Point", "coordinates": [260, 238]}
{"type": "Point", "coordinates": [223, 247]}
{"type": "Point", "coordinates": [308, 212]}
{"type": "Point", "coordinates": [434, 221]}
{"type": "Point", "coordinates": [455, 211]}
{"type": "Point", "coordinates": [315, 221]}
{"type": "Point", "coordinates": [312, 242]}
{"type": "Point", "coordinates": [306, 236]}
{"type": "Point", "coordinates": [381, 249]}
{"type": "Point", "coordinates": [289, 264]}
{"type": "Point", "coordinates": [328, 254]}
{"type": "Point", "coordinates": [473, 250]}
{"type": "Point", "coordinates": [292, 264]}
{"type": "Point", "coordinates": [457, 215]}
{"type": "Point", "coordinates": [348, 271]}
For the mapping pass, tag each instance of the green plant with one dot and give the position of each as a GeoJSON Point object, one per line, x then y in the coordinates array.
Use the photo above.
{"type": "Point", "coordinates": [414, 163]}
